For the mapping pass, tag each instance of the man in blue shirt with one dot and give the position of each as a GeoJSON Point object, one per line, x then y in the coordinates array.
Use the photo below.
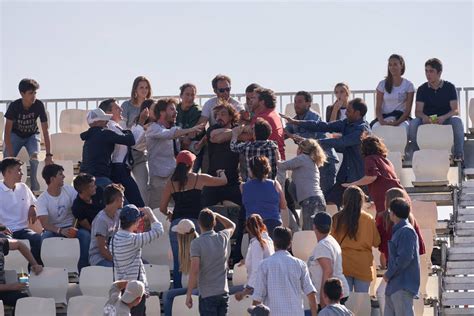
{"type": "Point", "coordinates": [347, 140]}
{"type": "Point", "coordinates": [303, 100]}
{"type": "Point", "coordinates": [403, 271]}
{"type": "Point", "coordinates": [437, 103]}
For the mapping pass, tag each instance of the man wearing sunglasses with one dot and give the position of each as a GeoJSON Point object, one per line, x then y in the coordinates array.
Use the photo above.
{"type": "Point", "coordinates": [221, 84]}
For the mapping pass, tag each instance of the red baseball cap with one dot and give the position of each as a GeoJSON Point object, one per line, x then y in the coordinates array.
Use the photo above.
{"type": "Point", "coordinates": [186, 157]}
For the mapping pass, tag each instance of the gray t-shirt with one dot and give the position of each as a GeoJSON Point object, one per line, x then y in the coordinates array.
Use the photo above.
{"type": "Point", "coordinates": [213, 250]}
{"type": "Point", "coordinates": [129, 113]}
{"type": "Point", "coordinates": [115, 306]}
{"type": "Point", "coordinates": [104, 226]}
{"type": "Point", "coordinates": [335, 310]}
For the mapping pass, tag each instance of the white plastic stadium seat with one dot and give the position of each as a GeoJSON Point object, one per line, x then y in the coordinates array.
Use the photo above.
{"type": "Point", "coordinates": [158, 277]}
{"type": "Point", "coordinates": [359, 303]}
{"type": "Point", "coordinates": [68, 166]}
{"type": "Point", "coordinates": [434, 136]}
{"type": "Point", "coordinates": [96, 281]}
{"type": "Point", "coordinates": [303, 244]}
{"type": "Point", "coordinates": [395, 158]}
{"type": "Point", "coordinates": [430, 167]}
{"type": "Point", "coordinates": [73, 121]}
{"type": "Point", "coordinates": [180, 308]}
{"type": "Point", "coordinates": [37, 306]}
{"type": "Point", "coordinates": [240, 275]}
{"type": "Point", "coordinates": [331, 209]}
{"type": "Point", "coordinates": [152, 304]}
{"type": "Point", "coordinates": [52, 282]}
{"type": "Point", "coordinates": [239, 308]}
{"type": "Point", "coordinates": [158, 251]}
{"type": "Point", "coordinates": [60, 252]}
{"type": "Point", "coordinates": [15, 260]}
{"type": "Point", "coordinates": [67, 146]}
{"type": "Point", "coordinates": [86, 305]}
{"type": "Point", "coordinates": [290, 109]}
{"type": "Point", "coordinates": [394, 137]}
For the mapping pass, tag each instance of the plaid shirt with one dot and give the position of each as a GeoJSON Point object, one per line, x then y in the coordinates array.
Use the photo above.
{"type": "Point", "coordinates": [267, 148]}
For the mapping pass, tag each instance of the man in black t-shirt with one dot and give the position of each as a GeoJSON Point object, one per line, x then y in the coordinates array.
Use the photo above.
{"type": "Point", "coordinates": [21, 128]}
{"type": "Point", "coordinates": [89, 201]}
{"type": "Point", "coordinates": [437, 103]}
{"type": "Point", "coordinates": [11, 292]}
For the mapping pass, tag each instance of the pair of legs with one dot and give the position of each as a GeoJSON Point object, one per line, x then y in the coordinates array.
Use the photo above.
{"type": "Point", "coordinates": [309, 207]}
{"type": "Point", "coordinates": [357, 285]}
{"type": "Point", "coordinates": [327, 176]}
{"type": "Point", "coordinates": [34, 239]}
{"type": "Point", "coordinates": [140, 173]}
{"type": "Point", "coordinates": [121, 174]}
{"type": "Point", "coordinates": [155, 190]}
{"type": "Point", "coordinates": [175, 249]}
{"type": "Point", "coordinates": [32, 145]}
{"type": "Point", "coordinates": [458, 132]}
{"type": "Point", "coordinates": [216, 305]}
{"type": "Point", "coordinates": [399, 303]}
{"type": "Point", "coordinates": [84, 237]}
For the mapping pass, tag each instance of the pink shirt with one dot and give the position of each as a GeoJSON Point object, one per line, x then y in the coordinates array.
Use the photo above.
{"type": "Point", "coordinates": [272, 117]}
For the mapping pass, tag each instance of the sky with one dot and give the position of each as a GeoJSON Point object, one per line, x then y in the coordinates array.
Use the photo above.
{"type": "Point", "coordinates": [95, 49]}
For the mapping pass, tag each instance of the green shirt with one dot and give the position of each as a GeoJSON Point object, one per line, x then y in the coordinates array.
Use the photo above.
{"type": "Point", "coordinates": [189, 118]}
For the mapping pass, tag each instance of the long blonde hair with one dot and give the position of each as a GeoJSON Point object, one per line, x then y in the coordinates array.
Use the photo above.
{"type": "Point", "coordinates": [184, 253]}
{"type": "Point", "coordinates": [311, 148]}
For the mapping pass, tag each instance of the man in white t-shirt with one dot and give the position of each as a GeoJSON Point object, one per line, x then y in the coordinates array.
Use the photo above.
{"type": "Point", "coordinates": [326, 260]}
{"type": "Point", "coordinates": [221, 84]}
{"type": "Point", "coordinates": [55, 214]}
{"type": "Point", "coordinates": [17, 206]}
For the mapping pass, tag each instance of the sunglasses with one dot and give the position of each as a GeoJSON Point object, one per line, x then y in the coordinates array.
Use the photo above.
{"type": "Point", "coordinates": [222, 90]}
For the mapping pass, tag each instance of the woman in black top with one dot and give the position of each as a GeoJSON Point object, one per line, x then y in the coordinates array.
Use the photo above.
{"type": "Point", "coordinates": [185, 188]}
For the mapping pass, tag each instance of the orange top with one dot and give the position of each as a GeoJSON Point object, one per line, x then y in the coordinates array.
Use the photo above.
{"type": "Point", "coordinates": [357, 258]}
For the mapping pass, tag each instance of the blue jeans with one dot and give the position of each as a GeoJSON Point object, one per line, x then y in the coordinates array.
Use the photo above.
{"type": "Point", "coordinates": [309, 207]}
{"type": "Point", "coordinates": [84, 237]}
{"type": "Point", "coordinates": [458, 132]}
{"type": "Point", "coordinates": [356, 285]}
{"type": "Point", "coordinates": [122, 174]}
{"type": "Point", "coordinates": [271, 224]}
{"type": "Point", "coordinates": [105, 263]}
{"type": "Point", "coordinates": [399, 303]}
{"type": "Point", "coordinates": [34, 239]}
{"type": "Point", "coordinates": [175, 249]}
{"type": "Point", "coordinates": [327, 176]}
{"type": "Point", "coordinates": [216, 305]}
{"type": "Point", "coordinates": [32, 145]}
{"type": "Point", "coordinates": [168, 298]}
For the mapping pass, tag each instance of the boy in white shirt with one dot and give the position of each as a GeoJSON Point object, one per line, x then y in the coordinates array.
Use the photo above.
{"type": "Point", "coordinates": [55, 214]}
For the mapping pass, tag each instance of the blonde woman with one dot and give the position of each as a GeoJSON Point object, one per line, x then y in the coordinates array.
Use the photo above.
{"type": "Point", "coordinates": [305, 176]}
{"type": "Point", "coordinates": [186, 231]}
{"type": "Point", "coordinates": [337, 111]}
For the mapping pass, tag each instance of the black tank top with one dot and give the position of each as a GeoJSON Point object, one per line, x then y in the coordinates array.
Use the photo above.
{"type": "Point", "coordinates": [187, 204]}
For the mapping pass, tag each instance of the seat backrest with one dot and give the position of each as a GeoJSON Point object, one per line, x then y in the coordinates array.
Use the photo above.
{"type": "Point", "coordinates": [239, 307]}
{"type": "Point", "coordinates": [51, 282]}
{"type": "Point", "coordinates": [15, 260]}
{"type": "Point", "coordinates": [73, 121]}
{"type": "Point", "coordinates": [434, 136]}
{"type": "Point", "coordinates": [240, 275]}
{"type": "Point", "coordinates": [86, 305]}
{"type": "Point", "coordinates": [67, 146]}
{"type": "Point", "coordinates": [96, 280]}
{"type": "Point", "coordinates": [60, 252]}
{"type": "Point", "coordinates": [152, 304]}
{"type": "Point", "coordinates": [158, 251]}
{"type": "Point", "coordinates": [331, 209]}
{"type": "Point", "coordinates": [430, 165]}
{"type": "Point", "coordinates": [180, 308]}
{"type": "Point", "coordinates": [426, 214]}
{"type": "Point", "coordinates": [394, 137]}
{"type": "Point", "coordinates": [359, 303]}
{"type": "Point", "coordinates": [37, 306]}
{"type": "Point", "coordinates": [395, 158]}
{"type": "Point", "coordinates": [303, 244]}
{"type": "Point", "coordinates": [158, 277]}
{"type": "Point", "coordinates": [68, 166]}
{"type": "Point", "coordinates": [290, 109]}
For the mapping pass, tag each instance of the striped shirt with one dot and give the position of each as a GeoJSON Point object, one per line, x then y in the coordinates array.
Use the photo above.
{"type": "Point", "coordinates": [127, 252]}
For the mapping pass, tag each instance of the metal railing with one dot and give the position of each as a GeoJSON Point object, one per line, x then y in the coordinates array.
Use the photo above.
{"type": "Point", "coordinates": [323, 98]}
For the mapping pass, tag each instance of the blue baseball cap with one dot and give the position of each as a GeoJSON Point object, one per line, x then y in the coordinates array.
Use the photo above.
{"type": "Point", "coordinates": [130, 213]}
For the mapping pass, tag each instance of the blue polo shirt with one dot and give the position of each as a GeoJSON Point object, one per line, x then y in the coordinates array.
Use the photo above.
{"type": "Point", "coordinates": [436, 101]}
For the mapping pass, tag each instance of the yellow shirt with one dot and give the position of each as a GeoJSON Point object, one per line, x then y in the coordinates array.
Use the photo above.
{"type": "Point", "coordinates": [357, 258]}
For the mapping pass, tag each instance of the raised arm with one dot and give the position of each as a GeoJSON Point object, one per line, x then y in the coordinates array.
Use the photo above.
{"type": "Point", "coordinates": [227, 223]}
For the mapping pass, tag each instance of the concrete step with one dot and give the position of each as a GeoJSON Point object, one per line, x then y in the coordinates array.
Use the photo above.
{"type": "Point", "coordinates": [461, 311]}
{"type": "Point", "coordinates": [463, 241]}
{"type": "Point", "coordinates": [462, 217]}
{"type": "Point", "coordinates": [460, 253]}
{"type": "Point", "coordinates": [458, 283]}
{"type": "Point", "coordinates": [457, 298]}
{"type": "Point", "coordinates": [459, 268]}
{"type": "Point", "coordinates": [465, 229]}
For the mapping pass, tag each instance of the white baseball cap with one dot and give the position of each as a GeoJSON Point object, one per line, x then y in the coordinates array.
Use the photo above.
{"type": "Point", "coordinates": [185, 226]}
{"type": "Point", "coordinates": [97, 115]}
{"type": "Point", "coordinates": [134, 290]}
